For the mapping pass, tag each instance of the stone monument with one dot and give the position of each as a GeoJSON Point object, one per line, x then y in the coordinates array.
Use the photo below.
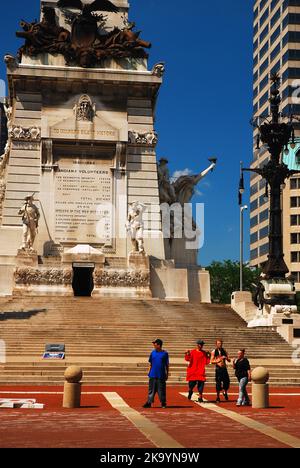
{"type": "Point", "coordinates": [81, 130]}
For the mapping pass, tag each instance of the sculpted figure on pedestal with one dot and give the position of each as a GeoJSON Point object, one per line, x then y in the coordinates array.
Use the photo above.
{"type": "Point", "coordinates": [135, 226]}
{"type": "Point", "coordinates": [30, 218]}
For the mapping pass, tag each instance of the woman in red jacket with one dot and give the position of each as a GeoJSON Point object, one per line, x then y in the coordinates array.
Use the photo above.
{"type": "Point", "coordinates": [198, 359]}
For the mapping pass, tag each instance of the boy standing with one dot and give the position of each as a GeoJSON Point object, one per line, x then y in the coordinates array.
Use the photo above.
{"type": "Point", "coordinates": [158, 374]}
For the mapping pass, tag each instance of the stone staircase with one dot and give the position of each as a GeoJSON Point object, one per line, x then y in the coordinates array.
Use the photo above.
{"type": "Point", "coordinates": [111, 339]}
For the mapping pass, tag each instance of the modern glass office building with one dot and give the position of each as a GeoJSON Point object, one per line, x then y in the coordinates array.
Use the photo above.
{"type": "Point", "coordinates": [276, 48]}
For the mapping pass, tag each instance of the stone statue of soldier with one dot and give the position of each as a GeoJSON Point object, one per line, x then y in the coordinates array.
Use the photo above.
{"type": "Point", "coordinates": [166, 190]}
{"type": "Point", "coordinates": [30, 218]}
{"type": "Point", "coordinates": [135, 226]}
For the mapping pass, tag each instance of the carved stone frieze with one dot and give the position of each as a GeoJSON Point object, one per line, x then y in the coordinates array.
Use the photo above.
{"type": "Point", "coordinates": [88, 42]}
{"type": "Point", "coordinates": [148, 138]}
{"type": "Point", "coordinates": [122, 278]}
{"type": "Point", "coordinates": [50, 276]}
{"type": "Point", "coordinates": [25, 134]}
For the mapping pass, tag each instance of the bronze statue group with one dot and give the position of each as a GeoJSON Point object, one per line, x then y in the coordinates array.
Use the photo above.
{"type": "Point", "coordinates": [197, 360]}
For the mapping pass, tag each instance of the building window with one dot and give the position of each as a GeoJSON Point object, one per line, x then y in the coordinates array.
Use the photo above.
{"type": "Point", "coordinates": [254, 254]}
{"type": "Point", "coordinates": [254, 189]}
{"type": "Point", "coordinates": [295, 220]}
{"type": "Point", "coordinates": [276, 68]}
{"type": "Point", "coordinates": [296, 276]}
{"type": "Point", "coordinates": [295, 202]}
{"type": "Point", "coordinates": [264, 83]}
{"type": "Point", "coordinates": [264, 66]}
{"type": "Point", "coordinates": [264, 17]}
{"type": "Point", "coordinates": [263, 200]}
{"type": "Point", "coordinates": [264, 250]}
{"type": "Point", "coordinates": [295, 238]}
{"type": "Point", "coordinates": [254, 238]}
{"type": "Point", "coordinates": [264, 232]}
{"type": "Point", "coordinates": [264, 50]}
{"type": "Point", "coordinates": [295, 183]}
{"type": "Point", "coordinates": [275, 34]}
{"type": "Point", "coordinates": [264, 215]}
{"type": "Point", "coordinates": [274, 4]}
{"type": "Point", "coordinates": [253, 221]}
{"type": "Point", "coordinates": [264, 99]}
{"type": "Point", "coordinates": [254, 205]}
{"type": "Point", "coordinates": [275, 52]}
{"type": "Point", "coordinates": [275, 17]}
{"type": "Point", "coordinates": [262, 184]}
{"type": "Point", "coordinates": [295, 257]}
{"type": "Point", "coordinates": [262, 4]}
{"type": "Point", "coordinates": [264, 33]}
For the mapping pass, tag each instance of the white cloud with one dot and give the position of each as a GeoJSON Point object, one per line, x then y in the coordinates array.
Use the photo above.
{"type": "Point", "coordinates": [198, 193]}
{"type": "Point", "coordinates": [182, 173]}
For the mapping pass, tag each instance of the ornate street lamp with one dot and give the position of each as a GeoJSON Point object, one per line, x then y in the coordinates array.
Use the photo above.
{"type": "Point", "coordinates": [275, 288]}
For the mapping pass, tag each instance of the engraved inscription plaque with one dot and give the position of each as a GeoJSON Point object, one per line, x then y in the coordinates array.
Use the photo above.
{"type": "Point", "coordinates": [83, 201]}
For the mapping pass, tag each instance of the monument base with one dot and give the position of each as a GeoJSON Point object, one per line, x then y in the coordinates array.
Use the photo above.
{"type": "Point", "coordinates": [26, 257]}
{"type": "Point", "coordinates": [187, 284]}
{"type": "Point", "coordinates": [285, 319]}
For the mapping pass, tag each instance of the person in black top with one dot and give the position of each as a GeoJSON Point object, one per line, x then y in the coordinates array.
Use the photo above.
{"type": "Point", "coordinates": [243, 374]}
{"type": "Point", "coordinates": [219, 357]}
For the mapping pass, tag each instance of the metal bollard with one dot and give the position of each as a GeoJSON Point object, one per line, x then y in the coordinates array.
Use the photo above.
{"type": "Point", "coordinates": [260, 388]}
{"type": "Point", "coordinates": [72, 387]}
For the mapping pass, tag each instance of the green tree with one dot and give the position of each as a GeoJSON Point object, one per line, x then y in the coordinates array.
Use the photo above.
{"type": "Point", "coordinates": [225, 279]}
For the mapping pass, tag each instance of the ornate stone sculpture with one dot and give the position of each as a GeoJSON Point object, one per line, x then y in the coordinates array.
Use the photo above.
{"type": "Point", "coordinates": [4, 157]}
{"type": "Point", "coordinates": [148, 138]}
{"type": "Point", "coordinates": [25, 134]}
{"type": "Point", "coordinates": [8, 112]}
{"type": "Point", "coordinates": [121, 278]}
{"type": "Point", "coordinates": [51, 276]}
{"type": "Point", "coordinates": [166, 190]}
{"type": "Point", "coordinates": [135, 226]}
{"type": "Point", "coordinates": [85, 110]}
{"type": "Point", "coordinates": [182, 190]}
{"type": "Point", "coordinates": [86, 45]}
{"type": "Point", "coordinates": [159, 69]}
{"type": "Point", "coordinates": [30, 218]}
{"type": "Point", "coordinates": [10, 61]}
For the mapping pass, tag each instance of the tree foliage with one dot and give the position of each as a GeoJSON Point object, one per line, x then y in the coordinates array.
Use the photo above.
{"type": "Point", "coordinates": [225, 279]}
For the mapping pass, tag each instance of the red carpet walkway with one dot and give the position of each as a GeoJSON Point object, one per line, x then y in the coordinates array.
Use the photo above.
{"type": "Point", "coordinates": [113, 417]}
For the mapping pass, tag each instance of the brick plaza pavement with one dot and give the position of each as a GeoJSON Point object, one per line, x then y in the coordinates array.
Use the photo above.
{"type": "Point", "coordinates": [112, 417]}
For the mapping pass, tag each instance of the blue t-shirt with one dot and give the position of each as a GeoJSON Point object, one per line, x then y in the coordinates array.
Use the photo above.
{"type": "Point", "coordinates": [159, 361]}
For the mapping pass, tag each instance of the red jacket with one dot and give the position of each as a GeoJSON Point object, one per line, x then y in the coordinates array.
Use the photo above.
{"type": "Point", "coordinates": [197, 362]}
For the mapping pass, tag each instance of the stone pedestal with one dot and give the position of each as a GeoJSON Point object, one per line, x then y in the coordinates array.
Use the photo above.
{"type": "Point", "coordinates": [27, 258]}
{"type": "Point", "coordinates": [242, 304]}
{"type": "Point", "coordinates": [138, 261]}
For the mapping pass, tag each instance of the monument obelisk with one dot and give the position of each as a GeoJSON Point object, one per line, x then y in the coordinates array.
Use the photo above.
{"type": "Point", "coordinates": [82, 143]}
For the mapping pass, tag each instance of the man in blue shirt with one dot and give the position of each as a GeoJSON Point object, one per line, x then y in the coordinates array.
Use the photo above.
{"type": "Point", "coordinates": [158, 375]}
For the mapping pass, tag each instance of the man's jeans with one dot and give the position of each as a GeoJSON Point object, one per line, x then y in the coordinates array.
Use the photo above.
{"type": "Point", "coordinates": [243, 395]}
{"type": "Point", "coordinates": [157, 386]}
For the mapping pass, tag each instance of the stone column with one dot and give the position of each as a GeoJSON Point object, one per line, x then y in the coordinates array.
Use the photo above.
{"type": "Point", "coordinates": [260, 388]}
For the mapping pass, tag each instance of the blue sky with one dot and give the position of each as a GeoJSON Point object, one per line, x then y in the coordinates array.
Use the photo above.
{"type": "Point", "coordinates": [205, 103]}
